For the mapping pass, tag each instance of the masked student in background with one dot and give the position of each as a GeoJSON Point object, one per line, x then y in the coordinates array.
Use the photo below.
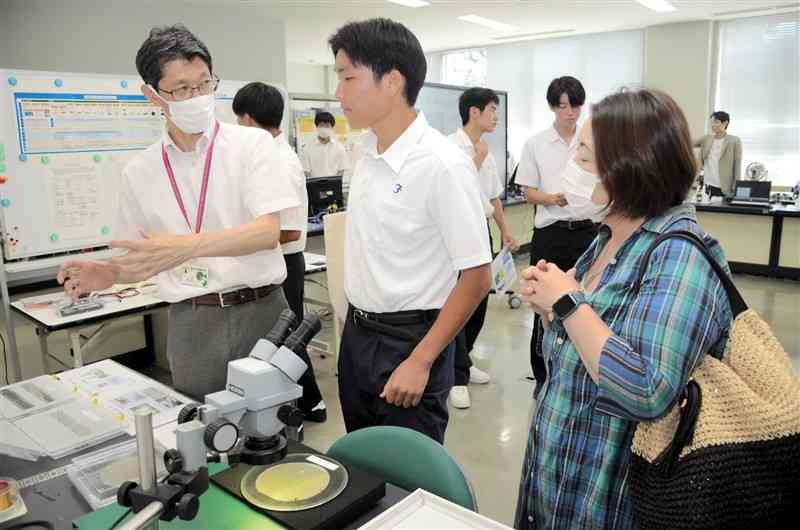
{"type": "Point", "coordinates": [324, 156]}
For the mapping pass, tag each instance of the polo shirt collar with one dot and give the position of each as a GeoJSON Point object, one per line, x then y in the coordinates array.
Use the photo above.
{"type": "Point", "coordinates": [397, 153]}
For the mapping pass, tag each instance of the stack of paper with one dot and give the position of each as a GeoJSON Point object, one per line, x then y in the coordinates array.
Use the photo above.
{"type": "Point", "coordinates": [14, 442]}
{"type": "Point", "coordinates": [33, 396]}
{"type": "Point", "coordinates": [70, 427]}
{"type": "Point", "coordinates": [125, 392]}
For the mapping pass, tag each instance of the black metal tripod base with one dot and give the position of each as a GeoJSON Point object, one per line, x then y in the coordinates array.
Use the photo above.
{"type": "Point", "coordinates": [263, 451]}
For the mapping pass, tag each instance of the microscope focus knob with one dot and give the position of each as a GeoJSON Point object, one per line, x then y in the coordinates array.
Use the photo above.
{"type": "Point", "coordinates": [124, 493]}
{"type": "Point", "coordinates": [221, 435]}
{"type": "Point", "coordinates": [173, 461]}
{"type": "Point", "coordinates": [188, 507]}
{"type": "Point", "coordinates": [291, 416]}
{"type": "Point", "coordinates": [188, 413]}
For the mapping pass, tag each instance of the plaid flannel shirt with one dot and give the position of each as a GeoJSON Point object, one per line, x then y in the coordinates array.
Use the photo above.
{"type": "Point", "coordinates": [574, 473]}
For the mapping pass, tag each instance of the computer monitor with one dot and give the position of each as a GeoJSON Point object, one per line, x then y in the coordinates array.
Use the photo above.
{"type": "Point", "coordinates": [753, 190]}
{"type": "Point", "coordinates": [714, 191]}
{"type": "Point", "coordinates": [324, 192]}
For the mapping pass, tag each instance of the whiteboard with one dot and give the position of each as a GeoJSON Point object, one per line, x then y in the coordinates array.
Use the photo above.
{"type": "Point", "coordinates": [64, 141]}
{"type": "Point", "coordinates": [440, 105]}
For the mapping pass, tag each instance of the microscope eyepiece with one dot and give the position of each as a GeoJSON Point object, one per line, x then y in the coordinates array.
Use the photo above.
{"type": "Point", "coordinates": [300, 338]}
{"type": "Point", "coordinates": [282, 328]}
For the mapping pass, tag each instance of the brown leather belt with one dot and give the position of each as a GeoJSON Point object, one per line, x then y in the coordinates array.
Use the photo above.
{"type": "Point", "coordinates": [230, 298]}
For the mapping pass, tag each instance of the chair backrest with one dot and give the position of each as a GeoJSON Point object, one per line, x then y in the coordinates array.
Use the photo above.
{"type": "Point", "coordinates": [334, 225]}
{"type": "Point", "coordinates": [407, 459]}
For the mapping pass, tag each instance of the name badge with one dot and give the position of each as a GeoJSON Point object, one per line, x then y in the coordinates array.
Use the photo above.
{"type": "Point", "coordinates": [193, 275]}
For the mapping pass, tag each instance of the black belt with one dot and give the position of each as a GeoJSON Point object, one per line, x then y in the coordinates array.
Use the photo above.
{"type": "Point", "coordinates": [392, 324]}
{"type": "Point", "coordinates": [238, 297]}
{"type": "Point", "coordinates": [575, 225]}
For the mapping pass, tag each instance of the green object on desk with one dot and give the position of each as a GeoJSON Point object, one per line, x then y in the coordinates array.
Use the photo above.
{"type": "Point", "coordinates": [218, 510]}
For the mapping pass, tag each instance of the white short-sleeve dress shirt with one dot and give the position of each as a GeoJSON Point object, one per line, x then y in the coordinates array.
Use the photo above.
{"type": "Point", "coordinates": [544, 157]}
{"type": "Point", "coordinates": [414, 220]}
{"type": "Point", "coordinates": [246, 180]}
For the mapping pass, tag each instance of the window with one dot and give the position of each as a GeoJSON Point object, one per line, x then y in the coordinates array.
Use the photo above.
{"type": "Point", "coordinates": [758, 86]}
{"type": "Point", "coordinates": [465, 68]}
{"type": "Point", "coordinates": [603, 62]}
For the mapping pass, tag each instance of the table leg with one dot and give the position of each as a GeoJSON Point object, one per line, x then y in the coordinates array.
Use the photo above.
{"type": "Point", "coordinates": [75, 342]}
{"type": "Point", "coordinates": [42, 333]}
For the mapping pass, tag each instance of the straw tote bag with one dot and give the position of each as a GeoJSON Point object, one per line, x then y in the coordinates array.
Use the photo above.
{"type": "Point", "coordinates": [727, 455]}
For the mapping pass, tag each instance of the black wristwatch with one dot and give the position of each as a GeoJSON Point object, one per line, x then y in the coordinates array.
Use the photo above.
{"type": "Point", "coordinates": [567, 304]}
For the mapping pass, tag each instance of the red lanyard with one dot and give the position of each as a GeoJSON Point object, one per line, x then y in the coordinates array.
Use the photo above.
{"type": "Point", "coordinates": [201, 207]}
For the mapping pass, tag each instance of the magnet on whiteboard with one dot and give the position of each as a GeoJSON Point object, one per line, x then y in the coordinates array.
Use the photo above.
{"type": "Point", "coordinates": [45, 160]}
{"type": "Point", "coordinates": [12, 81]}
{"type": "Point", "coordinates": [97, 158]}
{"type": "Point", "coordinates": [123, 84]}
{"type": "Point", "coordinates": [105, 230]}
{"type": "Point", "coordinates": [58, 83]}
{"type": "Point", "coordinates": [54, 237]}
{"type": "Point", "coordinates": [5, 203]}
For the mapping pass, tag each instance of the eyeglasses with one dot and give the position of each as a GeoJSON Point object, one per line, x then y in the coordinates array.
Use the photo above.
{"type": "Point", "coordinates": [209, 86]}
{"type": "Point", "coordinates": [128, 292]}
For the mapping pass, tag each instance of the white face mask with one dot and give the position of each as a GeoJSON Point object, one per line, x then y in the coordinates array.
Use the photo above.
{"type": "Point", "coordinates": [584, 191]}
{"type": "Point", "coordinates": [324, 132]}
{"type": "Point", "coordinates": [193, 115]}
{"type": "Point", "coordinates": [578, 182]}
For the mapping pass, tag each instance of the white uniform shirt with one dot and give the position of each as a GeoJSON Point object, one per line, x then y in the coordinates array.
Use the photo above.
{"type": "Point", "coordinates": [247, 180]}
{"type": "Point", "coordinates": [294, 218]}
{"type": "Point", "coordinates": [414, 219]}
{"type": "Point", "coordinates": [711, 169]}
{"type": "Point", "coordinates": [488, 178]}
{"type": "Point", "coordinates": [324, 160]}
{"type": "Point", "coordinates": [544, 157]}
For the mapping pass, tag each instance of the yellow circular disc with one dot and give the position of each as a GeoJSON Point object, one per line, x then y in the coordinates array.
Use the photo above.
{"type": "Point", "coordinates": [292, 482]}
{"type": "Point", "coordinates": [298, 482]}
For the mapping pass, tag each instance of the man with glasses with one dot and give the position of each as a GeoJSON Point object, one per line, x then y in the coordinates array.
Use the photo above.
{"type": "Point", "coordinates": [199, 209]}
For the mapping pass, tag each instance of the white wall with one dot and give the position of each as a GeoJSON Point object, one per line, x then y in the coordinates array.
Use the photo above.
{"type": "Point", "coordinates": [306, 78]}
{"type": "Point", "coordinates": [102, 36]}
{"type": "Point", "coordinates": [678, 61]}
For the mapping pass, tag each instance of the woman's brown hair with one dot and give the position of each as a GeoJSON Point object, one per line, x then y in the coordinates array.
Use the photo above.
{"type": "Point", "coordinates": [644, 152]}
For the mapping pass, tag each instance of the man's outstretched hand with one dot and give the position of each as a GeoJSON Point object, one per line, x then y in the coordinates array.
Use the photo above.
{"type": "Point", "coordinates": [84, 277]}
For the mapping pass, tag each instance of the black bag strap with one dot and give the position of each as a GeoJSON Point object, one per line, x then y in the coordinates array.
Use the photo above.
{"type": "Point", "coordinates": [738, 304]}
{"type": "Point", "coordinates": [690, 410]}
{"type": "Point", "coordinates": [692, 395]}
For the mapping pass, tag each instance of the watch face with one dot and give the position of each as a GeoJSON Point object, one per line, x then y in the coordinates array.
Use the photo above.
{"type": "Point", "coordinates": [564, 305]}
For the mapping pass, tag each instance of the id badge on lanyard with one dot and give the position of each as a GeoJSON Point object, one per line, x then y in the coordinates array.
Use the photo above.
{"type": "Point", "coordinates": [191, 274]}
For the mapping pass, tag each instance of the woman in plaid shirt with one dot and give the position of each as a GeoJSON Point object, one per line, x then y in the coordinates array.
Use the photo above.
{"type": "Point", "coordinates": [615, 358]}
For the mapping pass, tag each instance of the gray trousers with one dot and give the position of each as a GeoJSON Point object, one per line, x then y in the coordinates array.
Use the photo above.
{"type": "Point", "coordinates": [202, 340]}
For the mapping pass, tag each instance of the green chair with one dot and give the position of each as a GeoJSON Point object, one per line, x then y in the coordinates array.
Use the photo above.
{"type": "Point", "coordinates": [407, 459]}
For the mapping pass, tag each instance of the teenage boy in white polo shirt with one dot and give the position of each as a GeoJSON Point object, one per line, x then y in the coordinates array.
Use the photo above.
{"type": "Point", "coordinates": [478, 109]}
{"type": "Point", "coordinates": [200, 209]}
{"type": "Point", "coordinates": [260, 105]}
{"type": "Point", "coordinates": [414, 221]}
{"type": "Point", "coordinates": [558, 236]}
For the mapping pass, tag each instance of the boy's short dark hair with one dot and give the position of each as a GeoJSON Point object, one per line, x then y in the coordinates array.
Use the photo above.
{"type": "Point", "coordinates": [475, 97]}
{"type": "Point", "coordinates": [566, 85]}
{"type": "Point", "coordinates": [644, 152]}
{"type": "Point", "coordinates": [722, 116]}
{"type": "Point", "coordinates": [165, 44]}
{"type": "Point", "coordinates": [262, 102]}
{"type": "Point", "coordinates": [324, 117]}
{"type": "Point", "coordinates": [383, 45]}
